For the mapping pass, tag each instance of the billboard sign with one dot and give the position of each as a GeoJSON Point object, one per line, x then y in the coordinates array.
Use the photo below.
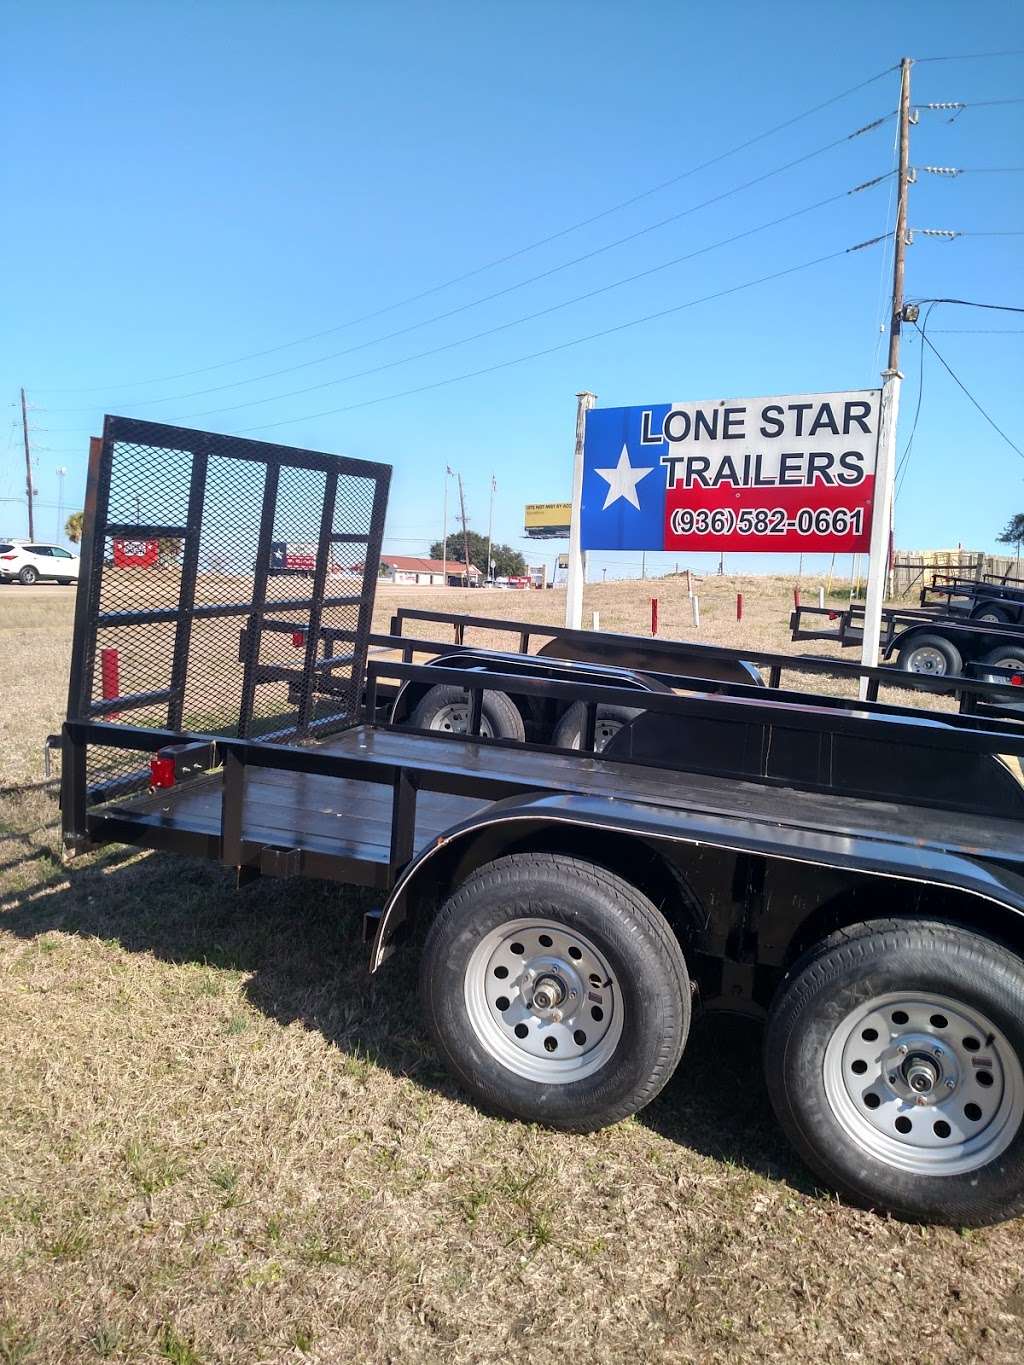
{"type": "Point", "coordinates": [547, 520]}
{"type": "Point", "coordinates": [792, 473]}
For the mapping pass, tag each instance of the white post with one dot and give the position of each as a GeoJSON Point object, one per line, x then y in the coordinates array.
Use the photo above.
{"type": "Point", "coordinates": [577, 569]}
{"type": "Point", "coordinates": [881, 515]}
{"type": "Point", "coordinates": [821, 597]}
{"type": "Point", "coordinates": [695, 604]}
{"type": "Point", "coordinates": [595, 620]}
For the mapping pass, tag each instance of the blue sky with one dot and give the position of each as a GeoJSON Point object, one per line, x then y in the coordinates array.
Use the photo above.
{"type": "Point", "coordinates": [188, 184]}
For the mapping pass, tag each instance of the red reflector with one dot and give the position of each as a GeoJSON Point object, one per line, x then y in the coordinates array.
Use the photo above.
{"type": "Point", "coordinates": [833, 615]}
{"type": "Point", "coordinates": [1016, 680]}
{"type": "Point", "coordinates": [161, 772]}
{"type": "Point", "coordinates": [298, 638]}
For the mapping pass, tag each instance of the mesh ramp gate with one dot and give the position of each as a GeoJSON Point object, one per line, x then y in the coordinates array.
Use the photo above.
{"type": "Point", "coordinates": [226, 589]}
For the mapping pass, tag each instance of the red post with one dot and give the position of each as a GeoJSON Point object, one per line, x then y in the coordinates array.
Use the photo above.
{"type": "Point", "coordinates": [796, 598]}
{"type": "Point", "coordinates": [654, 616]}
{"type": "Point", "coordinates": [739, 606]}
{"type": "Point", "coordinates": [110, 674]}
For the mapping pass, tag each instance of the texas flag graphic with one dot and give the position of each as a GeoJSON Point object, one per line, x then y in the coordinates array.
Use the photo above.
{"type": "Point", "coordinates": [758, 474]}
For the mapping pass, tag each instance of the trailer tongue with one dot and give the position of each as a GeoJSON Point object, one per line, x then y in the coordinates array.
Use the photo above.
{"type": "Point", "coordinates": [851, 873]}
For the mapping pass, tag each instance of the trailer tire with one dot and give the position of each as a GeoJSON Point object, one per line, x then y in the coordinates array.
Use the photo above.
{"type": "Point", "coordinates": [596, 946]}
{"type": "Point", "coordinates": [989, 613]}
{"type": "Point", "coordinates": [919, 1132]}
{"type": "Point", "coordinates": [447, 708]}
{"type": "Point", "coordinates": [568, 733]}
{"type": "Point", "coordinates": [1006, 656]}
{"type": "Point", "coordinates": [932, 655]}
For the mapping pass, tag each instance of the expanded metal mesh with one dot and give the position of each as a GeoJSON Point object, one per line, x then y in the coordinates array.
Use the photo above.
{"type": "Point", "coordinates": [226, 588]}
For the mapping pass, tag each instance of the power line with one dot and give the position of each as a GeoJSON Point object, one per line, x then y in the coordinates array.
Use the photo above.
{"type": "Point", "coordinates": [978, 331]}
{"type": "Point", "coordinates": [971, 56]}
{"type": "Point", "coordinates": [509, 289]}
{"type": "Point", "coordinates": [904, 464]}
{"type": "Point", "coordinates": [970, 303]}
{"type": "Point", "coordinates": [963, 387]}
{"type": "Point", "coordinates": [514, 322]}
{"type": "Point", "coordinates": [510, 256]}
{"type": "Point", "coordinates": [551, 350]}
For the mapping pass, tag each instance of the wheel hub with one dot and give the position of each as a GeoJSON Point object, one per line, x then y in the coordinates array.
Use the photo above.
{"type": "Point", "coordinates": [543, 1000]}
{"type": "Point", "coordinates": [454, 720]}
{"type": "Point", "coordinates": [924, 1083]}
{"type": "Point", "coordinates": [928, 660]}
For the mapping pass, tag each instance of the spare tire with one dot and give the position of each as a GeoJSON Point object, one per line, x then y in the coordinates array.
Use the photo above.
{"type": "Point", "coordinates": [568, 733]}
{"type": "Point", "coordinates": [447, 709]}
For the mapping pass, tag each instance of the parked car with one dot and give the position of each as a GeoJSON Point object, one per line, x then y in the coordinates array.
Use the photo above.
{"type": "Point", "coordinates": [27, 562]}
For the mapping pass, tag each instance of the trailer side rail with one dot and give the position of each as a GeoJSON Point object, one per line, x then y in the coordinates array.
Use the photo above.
{"type": "Point", "coordinates": [777, 665]}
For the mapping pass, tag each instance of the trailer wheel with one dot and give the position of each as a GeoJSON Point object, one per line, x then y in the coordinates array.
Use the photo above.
{"type": "Point", "coordinates": [931, 654]}
{"type": "Point", "coordinates": [995, 615]}
{"type": "Point", "coordinates": [568, 733]}
{"type": "Point", "coordinates": [1004, 657]}
{"type": "Point", "coordinates": [894, 1058]}
{"type": "Point", "coordinates": [556, 992]}
{"type": "Point", "coordinates": [447, 708]}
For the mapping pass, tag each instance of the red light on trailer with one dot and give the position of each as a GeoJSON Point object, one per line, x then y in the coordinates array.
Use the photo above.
{"type": "Point", "coordinates": [1017, 680]}
{"type": "Point", "coordinates": [161, 772]}
{"type": "Point", "coordinates": [299, 639]}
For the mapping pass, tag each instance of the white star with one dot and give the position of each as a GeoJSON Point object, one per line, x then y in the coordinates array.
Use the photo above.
{"type": "Point", "coordinates": [622, 481]}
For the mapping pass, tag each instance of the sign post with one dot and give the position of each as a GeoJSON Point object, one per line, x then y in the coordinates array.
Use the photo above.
{"type": "Point", "coordinates": [574, 585]}
{"type": "Point", "coordinates": [878, 561]}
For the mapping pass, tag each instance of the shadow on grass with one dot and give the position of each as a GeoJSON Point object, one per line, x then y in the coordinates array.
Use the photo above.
{"type": "Point", "coordinates": [299, 943]}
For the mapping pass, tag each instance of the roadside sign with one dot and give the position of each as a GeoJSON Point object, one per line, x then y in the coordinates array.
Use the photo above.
{"type": "Point", "coordinates": [546, 520]}
{"type": "Point", "coordinates": [286, 558]}
{"type": "Point", "coordinates": [782, 474]}
{"type": "Point", "coordinates": [130, 554]}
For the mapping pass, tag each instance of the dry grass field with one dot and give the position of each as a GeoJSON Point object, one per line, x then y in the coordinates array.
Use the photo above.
{"type": "Point", "coordinates": [221, 1142]}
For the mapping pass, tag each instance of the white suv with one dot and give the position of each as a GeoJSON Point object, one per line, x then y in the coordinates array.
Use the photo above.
{"type": "Point", "coordinates": [28, 562]}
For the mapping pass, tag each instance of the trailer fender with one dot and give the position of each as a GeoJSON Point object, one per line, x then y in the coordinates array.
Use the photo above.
{"type": "Point", "coordinates": [880, 856]}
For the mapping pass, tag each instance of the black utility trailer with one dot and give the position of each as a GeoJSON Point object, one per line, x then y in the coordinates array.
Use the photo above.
{"type": "Point", "coordinates": [924, 640]}
{"type": "Point", "coordinates": [851, 872]}
{"type": "Point", "coordinates": [994, 598]}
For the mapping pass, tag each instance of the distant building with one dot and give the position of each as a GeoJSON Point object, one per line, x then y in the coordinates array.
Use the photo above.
{"type": "Point", "coordinates": [411, 569]}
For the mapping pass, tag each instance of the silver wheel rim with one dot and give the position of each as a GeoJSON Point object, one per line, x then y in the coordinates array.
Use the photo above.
{"type": "Point", "coordinates": [928, 659]}
{"type": "Point", "coordinates": [543, 1001]}
{"type": "Point", "coordinates": [990, 616]}
{"type": "Point", "coordinates": [1010, 662]}
{"type": "Point", "coordinates": [924, 1083]}
{"type": "Point", "coordinates": [454, 719]}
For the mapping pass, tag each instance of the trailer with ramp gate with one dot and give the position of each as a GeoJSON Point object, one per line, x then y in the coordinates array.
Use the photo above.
{"type": "Point", "coordinates": [849, 872]}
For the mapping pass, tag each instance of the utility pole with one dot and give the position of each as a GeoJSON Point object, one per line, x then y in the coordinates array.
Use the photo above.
{"type": "Point", "coordinates": [444, 528]}
{"type": "Point", "coordinates": [488, 571]}
{"type": "Point", "coordinates": [885, 463]}
{"type": "Point", "coordinates": [465, 533]}
{"type": "Point", "coordinates": [28, 467]}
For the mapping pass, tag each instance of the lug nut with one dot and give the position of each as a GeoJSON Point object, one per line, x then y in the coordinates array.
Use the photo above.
{"type": "Point", "coordinates": [951, 1085]}
{"type": "Point", "coordinates": [902, 1049]}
